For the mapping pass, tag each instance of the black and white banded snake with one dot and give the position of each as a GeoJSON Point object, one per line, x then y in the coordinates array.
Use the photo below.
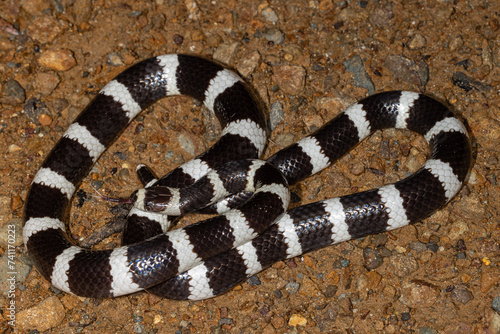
{"type": "Point", "coordinates": [206, 259]}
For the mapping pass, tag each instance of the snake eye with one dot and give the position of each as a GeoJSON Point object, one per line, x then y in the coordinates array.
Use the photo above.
{"type": "Point", "coordinates": [153, 206]}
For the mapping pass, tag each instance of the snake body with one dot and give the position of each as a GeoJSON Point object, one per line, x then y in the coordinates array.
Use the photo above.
{"type": "Point", "coordinates": [208, 258]}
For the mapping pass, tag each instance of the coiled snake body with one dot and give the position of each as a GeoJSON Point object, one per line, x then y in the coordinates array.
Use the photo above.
{"type": "Point", "coordinates": [210, 257]}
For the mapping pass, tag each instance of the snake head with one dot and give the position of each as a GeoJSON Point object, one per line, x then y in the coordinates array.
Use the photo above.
{"type": "Point", "coordinates": [155, 199]}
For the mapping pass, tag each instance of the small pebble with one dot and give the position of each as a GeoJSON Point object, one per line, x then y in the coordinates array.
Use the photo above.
{"type": "Point", "coordinates": [276, 115]}
{"type": "Point", "coordinates": [114, 59]}
{"type": "Point", "coordinates": [405, 316]}
{"type": "Point", "coordinates": [488, 280]}
{"type": "Point", "coordinates": [379, 240]}
{"type": "Point", "coordinates": [169, 155]}
{"type": "Point", "coordinates": [186, 143]}
{"type": "Point", "coordinates": [43, 29]}
{"type": "Point", "coordinates": [226, 52]}
{"type": "Point", "coordinates": [461, 294]}
{"type": "Point", "coordinates": [292, 287]}
{"type": "Point", "coordinates": [138, 328]}
{"type": "Point", "coordinates": [457, 230]}
{"type": "Point", "coordinates": [249, 63]}
{"type": "Point", "coordinates": [417, 42]}
{"type": "Point", "coordinates": [193, 9]}
{"type": "Point", "coordinates": [226, 321]}
{"type": "Point", "coordinates": [381, 17]}
{"type": "Point", "coordinates": [45, 119]}
{"type": "Point", "coordinates": [274, 35]}
{"type": "Point", "coordinates": [361, 78]}
{"type": "Point", "coordinates": [14, 148]}
{"type": "Point", "coordinates": [344, 263]}
{"type": "Point", "coordinates": [494, 325]}
{"type": "Point", "coordinates": [97, 184]}
{"type": "Point", "coordinates": [417, 246]}
{"type": "Point", "coordinates": [357, 168]}
{"type": "Point", "coordinates": [415, 72]}
{"type": "Point", "coordinates": [122, 156]}
{"type": "Point", "coordinates": [496, 304]}
{"type": "Point", "coordinates": [297, 320]}
{"type": "Point", "coordinates": [290, 79]}
{"type": "Point", "coordinates": [178, 39]}
{"type": "Point", "coordinates": [418, 294]}
{"type": "Point", "coordinates": [82, 10]}
{"type": "Point", "coordinates": [403, 264]}
{"type": "Point", "coordinates": [456, 43]}
{"type": "Point", "coordinates": [270, 15]}
{"type": "Point", "coordinates": [264, 310]}
{"type": "Point", "coordinates": [45, 83]}
{"type": "Point", "coordinates": [43, 316]}
{"type": "Point", "coordinates": [135, 13]}
{"type": "Point", "coordinates": [427, 330]}
{"type": "Point", "coordinates": [254, 280]}
{"type": "Point", "coordinates": [61, 60]}
{"type": "Point", "coordinates": [432, 246]}
{"type": "Point", "coordinates": [372, 258]}
{"type": "Point", "coordinates": [285, 139]}
{"type": "Point", "coordinates": [124, 174]}
{"type": "Point", "coordinates": [12, 92]}
{"type": "Point", "coordinates": [374, 279]}
{"type": "Point", "coordinates": [330, 291]}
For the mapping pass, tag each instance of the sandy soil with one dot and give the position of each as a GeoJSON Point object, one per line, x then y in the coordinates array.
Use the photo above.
{"type": "Point", "coordinates": [307, 60]}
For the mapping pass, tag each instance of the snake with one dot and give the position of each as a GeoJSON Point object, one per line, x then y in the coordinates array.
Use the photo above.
{"type": "Point", "coordinates": [253, 229]}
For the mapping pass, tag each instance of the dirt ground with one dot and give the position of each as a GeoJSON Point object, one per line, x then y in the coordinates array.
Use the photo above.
{"type": "Point", "coordinates": [307, 60]}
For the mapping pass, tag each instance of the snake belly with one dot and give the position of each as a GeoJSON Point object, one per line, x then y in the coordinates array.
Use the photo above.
{"type": "Point", "coordinates": [196, 271]}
